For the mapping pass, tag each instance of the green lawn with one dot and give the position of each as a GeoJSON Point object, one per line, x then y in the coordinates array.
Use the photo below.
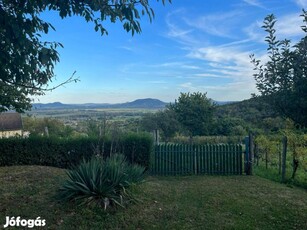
{"type": "Point", "coordinates": [192, 202]}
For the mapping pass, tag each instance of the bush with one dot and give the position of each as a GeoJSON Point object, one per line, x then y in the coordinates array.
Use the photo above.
{"type": "Point", "coordinates": [65, 153]}
{"type": "Point", "coordinates": [137, 148]}
{"type": "Point", "coordinates": [102, 182]}
{"type": "Point", "coordinates": [201, 140]}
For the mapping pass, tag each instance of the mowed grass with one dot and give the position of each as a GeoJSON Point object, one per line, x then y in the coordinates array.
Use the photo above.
{"type": "Point", "coordinates": [192, 202]}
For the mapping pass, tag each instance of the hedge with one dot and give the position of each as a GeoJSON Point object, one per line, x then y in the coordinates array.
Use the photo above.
{"type": "Point", "coordinates": [64, 153]}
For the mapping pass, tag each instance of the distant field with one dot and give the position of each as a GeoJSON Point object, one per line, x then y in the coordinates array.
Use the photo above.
{"type": "Point", "coordinates": [191, 202]}
{"type": "Point", "coordinates": [83, 114]}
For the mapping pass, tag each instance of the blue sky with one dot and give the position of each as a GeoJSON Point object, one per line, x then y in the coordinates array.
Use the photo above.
{"type": "Point", "coordinates": [191, 45]}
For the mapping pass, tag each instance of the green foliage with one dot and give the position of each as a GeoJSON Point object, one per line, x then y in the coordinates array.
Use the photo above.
{"type": "Point", "coordinates": [297, 143]}
{"type": "Point", "coordinates": [268, 157]}
{"type": "Point", "coordinates": [168, 123]}
{"type": "Point", "coordinates": [229, 126]}
{"type": "Point", "coordinates": [137, 148]}
{"type": "Point", "coordinates": [202, 140]}
{"type": "Point", "coordinates": [67, 152]}
{"type": "Point", "coordinates": [38, 126]}
{"type": "Point", "coordinates": [282, 81]}
{"type": "Point", "coordinates": [254, 114]}
{"type": "Point", "coordinates": [164, 120]}
{"type": "Point", "coordinates": [268, 150]}
{"type": "Point", "coordinates": [194, 112]}
{"type": "Point", "coordinates": [101, 182]}
{"type": "Point", "coordinates": [27, 62]}
{"type": "Point", "coordinates": [149, 122]}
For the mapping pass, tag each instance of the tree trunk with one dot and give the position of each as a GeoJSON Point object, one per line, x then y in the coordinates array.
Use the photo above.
{"type": "Point", "coordinates": [284, 157]}
{"type": "Point", "coordinates": [295, 166]}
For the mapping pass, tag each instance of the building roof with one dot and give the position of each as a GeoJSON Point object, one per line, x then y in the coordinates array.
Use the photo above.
{"type": "Point", "coordinates": [10, 121]}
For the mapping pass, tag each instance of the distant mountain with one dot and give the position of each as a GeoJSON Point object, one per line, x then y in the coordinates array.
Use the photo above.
{"type": "Point", "coordinates": [54, 105]}
{"type": "Point", "coordinates": [147, 103]}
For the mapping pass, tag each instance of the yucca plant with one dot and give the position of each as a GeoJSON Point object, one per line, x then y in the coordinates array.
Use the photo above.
{"type": "Point", "coordinates": [102, 182]}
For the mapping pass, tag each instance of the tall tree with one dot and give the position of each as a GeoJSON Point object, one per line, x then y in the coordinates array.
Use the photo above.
{"type": "Point", "coordinates": [282, 80]}
{"type": "Point", "coordinates": [27, 63]}
{"type": "Point", "coordinates": [164, 120]}
{"type": "Point", "coordinates": [195, 112]}
{"type": "Point", "coordinates": [168, 123]}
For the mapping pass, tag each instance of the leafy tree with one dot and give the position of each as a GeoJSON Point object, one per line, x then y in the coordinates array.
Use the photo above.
{"type": "Point", "coordinates": [227, 126]}
{"type": "Point", "coordinates": [168, 123]}
{"type": "Point", "coordinates": [282, 81]}
{"type": "Point", "coordinates": [149, 122]}
{"type": "Point", "coordinates": [164, 120]}
{"type": "Point", "coordinates": [194, 112]}
{"type": "Point", "coordinates": [27, 63]}
{"type": "Point", "coordinates": [39, 126]}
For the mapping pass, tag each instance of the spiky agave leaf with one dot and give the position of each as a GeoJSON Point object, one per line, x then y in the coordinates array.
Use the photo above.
{"type": "Point", "coordinates": [97, 181]}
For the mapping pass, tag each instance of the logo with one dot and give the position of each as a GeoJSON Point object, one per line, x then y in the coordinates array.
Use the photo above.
{"type": "Point", "coordinates": [18, 222]}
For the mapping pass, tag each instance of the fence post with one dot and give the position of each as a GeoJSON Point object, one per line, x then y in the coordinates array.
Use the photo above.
{"type": "Point", "coordinates": [195, 160]}
{"type": "Point", "coordinates": [284, 156]}
{"type": "Point", "coordinates": [156, 136]}
{"type": "Point", "coordinates": [246, 156]}
{"type": "Point", "coordinates": [251, 152]}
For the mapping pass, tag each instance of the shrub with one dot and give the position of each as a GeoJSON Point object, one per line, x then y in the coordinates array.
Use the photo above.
{"type": "Point", "coordinates": [102, 182]}
{"type": "Point", "coordinates": [65, 153]}
{"type": "Point", "coordinates": [137, 148]}
{"type": "Point", "coordinates": [201, 140]}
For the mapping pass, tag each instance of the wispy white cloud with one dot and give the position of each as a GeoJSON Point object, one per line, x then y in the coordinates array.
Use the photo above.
{"type": "Point", "coordinates": [255, 33]}
{"type": "Point", "coordinates": [235, 91]}
{"type": "Point", "coordinates": [126, 48]}
{"type": "Point", "coordinates": [190, 67]}
{"type": "Point", "coordinates": [182, 35]}
{"type": "Point", "coordinates": [301, 3]}
{"type": "Point", "coordinates": [226, 65]}
{"type": "Point", "coordinates": [188, 86]}
{"type": "Point", "coordinates": [219, 24]}
{"type": "Point", "coordinates": [283, 28]}
{"type": "Point", "coordinates": [225, 71]}
{"type": "Point", "coordinates": [254, 3]}
{"type": "Point", "coordinates": [157, 82]}
{"type": "Point", "coordinates": [209, 75]}
{"type": "Point", "coordinates": [177, 65]}
{"type": "Point", "coordinates": [231, 92]}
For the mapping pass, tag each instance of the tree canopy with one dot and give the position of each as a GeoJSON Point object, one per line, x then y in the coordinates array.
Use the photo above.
{"type": "Point", "coordinates": [282, 80]}
{"type": "Point", "coordinates": [194, 112]}
{"type": "Point", "coordinates": [164, 120]}
{"type": "Point", "coordinates": [27, 63]}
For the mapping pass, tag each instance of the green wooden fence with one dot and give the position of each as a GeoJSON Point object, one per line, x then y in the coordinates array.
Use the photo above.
{"type": "Point", "coordinates": [175, 159]}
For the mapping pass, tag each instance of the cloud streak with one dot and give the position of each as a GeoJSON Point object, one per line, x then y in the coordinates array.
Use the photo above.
{"type": "Point", "coordinates": [219, 24]}
{"type": "Point", "coordinates": [301, 3]}
{"type": "Point", "coordinates": [228, 63]}
{"type": "Point", "coordinates": [254, 3]}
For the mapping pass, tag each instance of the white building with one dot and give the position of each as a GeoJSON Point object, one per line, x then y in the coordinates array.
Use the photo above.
{"type": "Point", "coordinates": [10, 124]}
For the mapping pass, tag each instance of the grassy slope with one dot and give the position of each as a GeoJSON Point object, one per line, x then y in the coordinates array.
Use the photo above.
{"type": "Point", "coordinates": [196, 202]}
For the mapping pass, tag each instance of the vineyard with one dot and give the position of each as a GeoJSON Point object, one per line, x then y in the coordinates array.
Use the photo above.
{"type": "Point", "coordinates": [268, 151]}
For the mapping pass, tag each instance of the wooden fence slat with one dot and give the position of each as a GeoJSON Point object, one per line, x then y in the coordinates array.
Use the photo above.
{"type": "Point", "coordinates": [208, 159]}
{"type": "Point", "coordinates": [240, 160]}
{"type": "Point", "coordinates": [225, 159]}
{"type": "Point", "coordinates": [177, 166]}
{"type": "Point", "coordinates": [217, 167]}
{"type": "Point", "coordinates": [232, 156]}
{"type": "Point", "coordinates": [227, 155]}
